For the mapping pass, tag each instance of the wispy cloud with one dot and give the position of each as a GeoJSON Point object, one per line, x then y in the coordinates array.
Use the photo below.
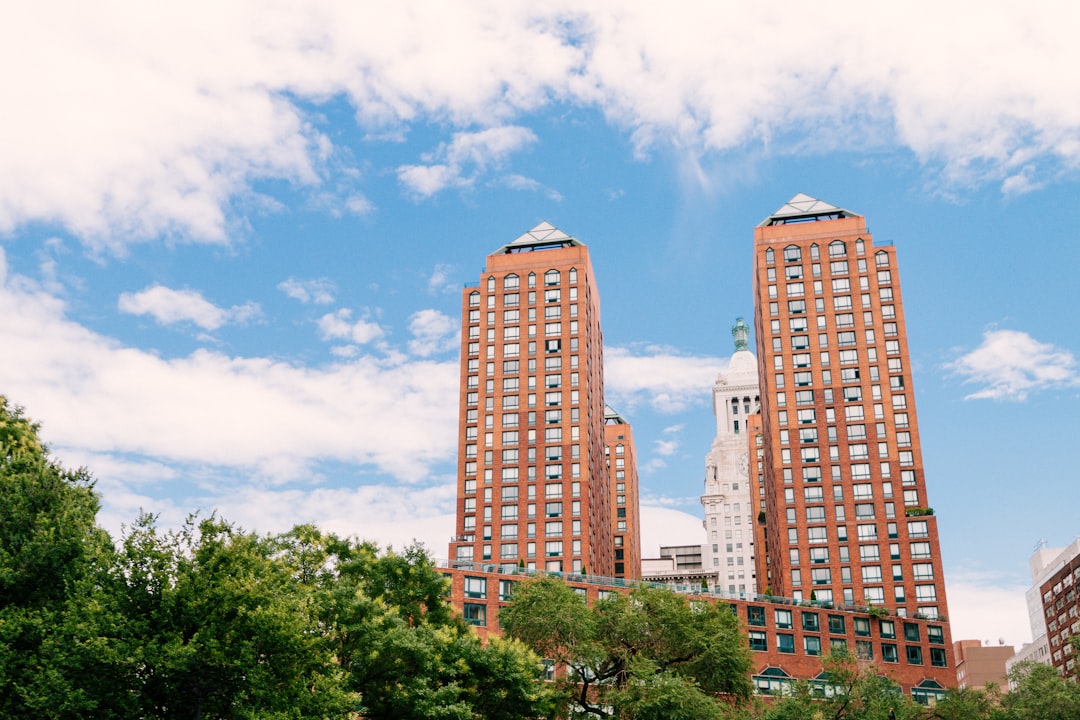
{"type": "Point", "coordinates": [433, 332]}
{"type": "Point", "coordinates": [665, 379]}
{"type": "Point", "coordinates": [459, 162]}
{"type": "Point", "coordinates": [319, 291]}
{"type": "Point", "coordinates": [339, 325]}
{"type": "Point", "coordinates": [169, 307]}
{"type": "Point", "coordinates": [440, 280]}
{"type": "Point", "coordinates": [1010, 364]}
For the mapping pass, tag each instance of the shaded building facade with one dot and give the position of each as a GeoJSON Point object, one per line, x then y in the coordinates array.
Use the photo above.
{"type": "Point", "coordinates": [623, 477]}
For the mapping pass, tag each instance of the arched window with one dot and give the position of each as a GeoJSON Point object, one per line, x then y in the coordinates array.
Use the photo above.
{"type": "Point", "coordinates": [551, 277]}
{"type": "Point", "coordinates": [881, 258]}
{"type": "Point", "coordinates": [814, 252]}
{"type": "Point", "coordinates": [860, 247]}
{"type": "Point", "coordinates": [792, 253]}
{"type": "Point", "coordinates": [573, 276]}
{"type": "Point", "coordinates": [511, 282]}
{"type": "Point", "coordinates": [474, 298]}
{"type": "Point", "coordinates": [491, 284]}
{"type": "Point", "coordinates": [532, 280]}
{"type": "Point", "coordinates": [837, 248]}
{"type": "Point", "coordinates": [770, 256]}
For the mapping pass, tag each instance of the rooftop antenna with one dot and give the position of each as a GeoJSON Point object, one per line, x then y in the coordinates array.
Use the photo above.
{"type": "Point", "coordinates": [1040, 545]}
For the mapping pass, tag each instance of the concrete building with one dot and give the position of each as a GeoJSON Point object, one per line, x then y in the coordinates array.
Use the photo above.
{"type": "Point", "coordinates": [533, 484]}
{"type": "Point", "coordinates": [623, 477]}
{"type": "Point", "coordinates": [730, 507]}
{"type": "Point", "coordinates": [848, 519]}
{"type": "Point", "coordinates": [978, 664]}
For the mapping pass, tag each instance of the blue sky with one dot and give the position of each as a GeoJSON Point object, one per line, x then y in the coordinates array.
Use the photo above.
{"type": "Point", "coordinates": [232, 241]}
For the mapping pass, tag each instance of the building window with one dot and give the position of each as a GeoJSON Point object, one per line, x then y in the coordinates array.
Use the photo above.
{"type": "Point", "coordinates": [836, 624]}
{"type": "Point", "coordinates": [792, 254]}
{"type": "Point", "coordinates": [551, 277]}
{"type": "Point", "coordinates": [758, 641]}
{"type": "Point", "coordinates": [888, 653]}
{"type": "Point", "coordinates": [914, 655]}
{"type": "Point", "coordinates": [812, 644]}
{"type": "Point", "coordinates": [475, 614]}
{"type": "Point", "coordinates": [755, 615]}
{"type": "Point", "coordinates": [785, 643]}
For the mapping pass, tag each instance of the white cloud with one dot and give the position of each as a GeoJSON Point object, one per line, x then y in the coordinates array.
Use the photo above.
{"type": "Point", "coordinates": [1010, 364]}
{"type": "Point", "coordinates": [665, 447]}
{"type": "Point", "coordinates": [359, 204]}
{"type": "Point", "coordinates": [168, 307]}
{"type": "Point", "coordinates": [339, 325]}
{"type": "Point", "coordinates": [668, 445]}
{"type": "Point", "coordinates": [987, 606]}
{"type": "Point", "coordinates": [433, 332]}
{"type": "Point", "coordinates": [441, 280]}
{"type": "Point", "coordinates": [667, 381]}
{"type": "Point", "coordinates": [261, 415]}
{"type": "Point", "coordinates": [319, 291]}
{"type": "Point", "coordinates": [143, 120]}
{"type": "Point", "coordinates": [459, 162]}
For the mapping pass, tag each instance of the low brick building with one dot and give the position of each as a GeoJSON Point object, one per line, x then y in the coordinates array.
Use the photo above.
{"type": "Point", "coordinates": [788, 639]}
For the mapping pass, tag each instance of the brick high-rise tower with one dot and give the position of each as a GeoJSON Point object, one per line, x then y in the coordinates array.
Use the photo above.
{"type": "Point", "coordinates": [623, 476]}
{"type": "Point", "coordinates": [847, 514]}
{"type": "Point", "coordinates": [533, 486]}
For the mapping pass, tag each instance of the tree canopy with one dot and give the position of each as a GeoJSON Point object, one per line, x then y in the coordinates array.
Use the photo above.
{"type": "Point", "coordinates": [210, 621]}
{"type": "Point", "coordinates": [648, 654]}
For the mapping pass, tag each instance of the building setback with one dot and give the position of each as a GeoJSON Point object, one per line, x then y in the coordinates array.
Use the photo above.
{"type": "Point", "coordinates": [533, 487]}
{"type": "Point", "coordinates": [848, 519]}
{"type": "Point", "coordinates": [623, 478]}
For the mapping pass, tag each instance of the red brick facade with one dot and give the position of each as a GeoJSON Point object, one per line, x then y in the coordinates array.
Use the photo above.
{"type": "Point", "coordinates": [788, 640]}
{"type": "Point", "coordinates": [847, 513]}
{"type": "Point", "coordinates": [1061, 608]}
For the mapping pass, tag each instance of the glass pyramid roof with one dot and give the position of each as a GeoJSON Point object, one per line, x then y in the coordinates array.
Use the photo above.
{"type": "Point", "coordinates": [543, 236]}
{"type": "Point", "coordinates": [803, 208]}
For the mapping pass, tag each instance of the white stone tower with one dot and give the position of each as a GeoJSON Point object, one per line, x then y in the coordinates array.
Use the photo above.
{"type": "Point", "coordinates": [729, 507]}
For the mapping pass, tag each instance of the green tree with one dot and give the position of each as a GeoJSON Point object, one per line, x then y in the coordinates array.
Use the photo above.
{"type": "Point", "coordinates": [857, 693]}
{"type": "Point", "coordinates": [212, 623]}
{"type": "Point", "coordinates": [398, 642]}
{"type": "Point", "coordinates": [51, 553]}
{"type": "Point", "coordinates": [651, 654]}
{"type": "Point", "coordinates": [1040, 693]}
{"type": "Point", "coordinates": [969, 704]}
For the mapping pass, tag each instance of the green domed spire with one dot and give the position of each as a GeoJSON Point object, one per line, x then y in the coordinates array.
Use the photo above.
{"type": "Point", "coordinates": [741, 332]}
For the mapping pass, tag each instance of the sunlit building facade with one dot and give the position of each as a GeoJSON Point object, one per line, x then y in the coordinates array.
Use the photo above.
{"type": "Point", "coordinates": [533, 485]}
{"type": "Point", "coordinates": [729, 503]}
{"type": "Point", "coordinates": [848, 520]}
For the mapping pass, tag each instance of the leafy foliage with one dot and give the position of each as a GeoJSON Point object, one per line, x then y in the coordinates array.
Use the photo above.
{"type": "Point", "coordinates": [645, 655]}
{"type": "Point", "coordinates": [209, 621]}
